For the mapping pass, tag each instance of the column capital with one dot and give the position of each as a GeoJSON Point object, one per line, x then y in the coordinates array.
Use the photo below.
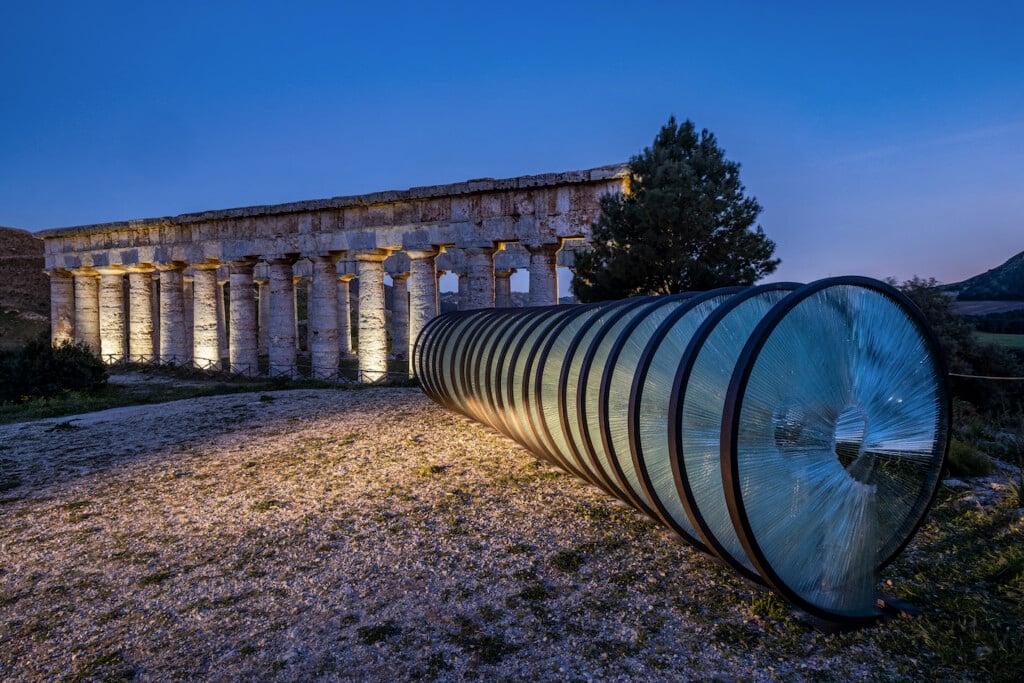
{"type": "Point", "coordinates": [209, 264]}
{"type": "Point", "coordinates": [330, 257]}
{"type": "Point", "coordinates": [171, 265]}
{"type": "Point", "coordinates": [285, 260]}
{"type": "Point", "coordinates": [59, 272]}
{"type": "Point", "coordinates": [422, 253]}
{"type": "Point", "coordinates": [111, 270]}
{"type": "Point", "coordinates": [241, 267]}
{"type": "Point", "coordinates": [345, 277]}
{"type": "Point", "coordinates": [378, 255]}
{"type": "Point", "coordinates": [140, 268]}
{"type": "Point", "coordinates": [541, 245]}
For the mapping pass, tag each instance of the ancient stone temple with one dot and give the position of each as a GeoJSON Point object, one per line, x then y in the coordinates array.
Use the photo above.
{"type": "Point", "coordinates": [218, 289]}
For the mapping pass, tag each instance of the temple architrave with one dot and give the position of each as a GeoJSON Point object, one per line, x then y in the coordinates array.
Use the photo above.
{"type": "Point", "coordinates": [218, 289]}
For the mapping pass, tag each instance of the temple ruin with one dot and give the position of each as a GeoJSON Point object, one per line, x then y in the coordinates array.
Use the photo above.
{"type": "Point", "coordinates": [153, 290]}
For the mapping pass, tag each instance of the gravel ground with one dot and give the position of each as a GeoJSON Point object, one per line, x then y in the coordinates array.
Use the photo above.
{"type": "Point", "coordinates": [354, 535]}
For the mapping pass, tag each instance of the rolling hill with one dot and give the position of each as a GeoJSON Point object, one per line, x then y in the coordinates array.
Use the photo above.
{"type": "Point", "coordinates": [1003, 283]}
{"type": "Point", "coordinates": [24, 289]}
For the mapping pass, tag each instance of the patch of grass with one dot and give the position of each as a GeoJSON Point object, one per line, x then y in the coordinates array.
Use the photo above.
{"type": "Point", "coordinates": [1009, 341]}
{"type": "Point", "coordinates": [431, 470]}
{"type": "Point", "coordinates": [266, 505]}
{"type": "Point", "coordinates": [154, 579]}
{"type": "Point", "coordinates": [768, 605]}
{"type": "Point", "coordinates": [108, 666]}
{"type": "Point", "coordinates": [144, 393]}
{"type": "Point", "coordinates": [567, 561]}
{"type": "Point", "coordinates": [965, 460]}
{"type": "Point", "coordinates": [371, 635]}
{"type": "Point", "coordinates": [67, 426]}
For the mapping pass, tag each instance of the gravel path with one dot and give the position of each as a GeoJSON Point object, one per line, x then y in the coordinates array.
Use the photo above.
{"type": "Point", "coordinates": [353, 535]}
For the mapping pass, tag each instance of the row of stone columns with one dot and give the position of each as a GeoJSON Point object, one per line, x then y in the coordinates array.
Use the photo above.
{"type": "Point", "coordinates": [181, 319]}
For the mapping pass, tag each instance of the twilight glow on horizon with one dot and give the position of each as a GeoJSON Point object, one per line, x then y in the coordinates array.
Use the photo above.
{"type": "Point", "coordinates": [882, 139]}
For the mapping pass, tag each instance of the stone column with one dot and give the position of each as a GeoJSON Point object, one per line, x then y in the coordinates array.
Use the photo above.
{"type": "Point", "coordinates": [503, 288]}
{"type": "Point", "coordinates": [205, 342]}
{"type": "Point", "coordinates": [296, 285]}
{"type": "Point", "coordinates": [140, 309]}
{"type": "Point", "coordinates": [373, 341]}
{"type": "Point", "coordinates": [173, 335]}
{"type": "Point", "coordinates": [322, 317]}
{"type": "Point", "coordinates": [480, 273]}
{"type": "Point", "coordinates": [173, 338]}
{"type": "Point", "coordinates": [463, 292]}
{"type": "Point", "coordinates": [263, 294]}
{"type": "Point", "coordinates": [282, 318]}
{"type": "Point", "coordinates": [400, 316]}
{"type": "Point", "coordinates": [222, 315]}
{"type": "Point", "coordinates": [62, 307]}
{"type": "Point", "coordinates": [344, 315]}
{"type": "Point", "coordinates": [154, 315]}
{"type": "Point", "coordinates": [242, 340]}
{"type": "Point", "coordinates": [112, 328]}
{"type": "Point", "coordinates": [422, 292]}
{"type": "Point", "coordinates": [543, 273]}
{"type": "Point", "coordinates": [188, 287]}
{"type": "Point", "coordinates": [87, 308]}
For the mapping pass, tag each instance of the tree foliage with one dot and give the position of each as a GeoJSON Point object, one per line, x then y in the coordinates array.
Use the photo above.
{"type": "Point", "coordinates": [684, 224]}
{"type": "Point", "coordinates": [964, 354]}
{"type": "Point", "coordinates": [39, 370]}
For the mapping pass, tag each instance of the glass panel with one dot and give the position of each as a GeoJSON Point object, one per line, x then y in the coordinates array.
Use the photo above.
{"type": "Point", "coordinates": [653, 409]}
{"type": "Point", "coordinates": [703, 404]}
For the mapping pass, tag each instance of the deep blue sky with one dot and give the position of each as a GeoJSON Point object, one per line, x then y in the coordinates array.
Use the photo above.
{"type": "Point", "coordinates": [881, 138]}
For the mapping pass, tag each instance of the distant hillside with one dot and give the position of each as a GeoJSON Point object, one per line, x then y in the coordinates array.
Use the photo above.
{"type": "Point", "coordinates": [1005, 283]}
{"type": "Point", "coordinates": [24, 289]}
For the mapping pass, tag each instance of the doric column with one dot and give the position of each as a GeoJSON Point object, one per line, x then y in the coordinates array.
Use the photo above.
{"type": "Point", "coordinates": [282, 318]}
{"type": "Point", "coordinates": [87, 308]}
{"type": "Point", "coordinates": [503, 288]}
{"type": "Point", "coordinates": [242, 342]}
{"type": "Point", "coordinates": [205, 342]}
{"type": "Point", "coordinates": [400, 316]}
{"type": "Point", "coordinates": [422, 292]}
{"type": "Point", "coordinates": [62, 307]}
{"type": "Point", "coordinates": [187, 287]}
{"type": "Point", "coordinates": [463, 291]}
{"type": "Point", "coordinates": [222, 327]}
{"type": "Point", "coordinates": [480, 272]}
{"type": "Point", "coordinates": [322, 317]}
{"type": "Point", "coordinates": [296, 286]}
{"type": "Point", "coordinates": [154, 314]}
{"type": "Point", "coordinates": [373, 342]}
{"type": "Point", "coordinates": [173, 334]}
{"type": "Point", "coordinates": [112, 328]}
{"type": "Point", "coordinates": [344, 315]}
{"type": "Point", "coordinates": [263, 295]}
{"type": "Point", "coordinates": [543, 273]}
{"type": "Point", "coordinates": [140, 309]}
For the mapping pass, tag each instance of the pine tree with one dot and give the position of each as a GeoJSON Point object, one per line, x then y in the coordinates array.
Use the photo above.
{"type": "Point", "coordinates": [683, 224]}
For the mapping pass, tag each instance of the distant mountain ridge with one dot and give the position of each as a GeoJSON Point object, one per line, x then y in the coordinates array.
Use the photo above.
{"type": "Point", "coordinates": [1003, 283]}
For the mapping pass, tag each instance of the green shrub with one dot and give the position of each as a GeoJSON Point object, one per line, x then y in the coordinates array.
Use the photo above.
{"type": "Point", "coordinates": [39, 370]}
{"type": "Point", "coordinates": [967, 461]}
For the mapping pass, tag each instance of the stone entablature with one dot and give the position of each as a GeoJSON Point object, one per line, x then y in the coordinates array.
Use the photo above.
{"type": "Point", "coordinates": [481, 230]}
{"type": "Point", "coordinates": [546, 207]}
